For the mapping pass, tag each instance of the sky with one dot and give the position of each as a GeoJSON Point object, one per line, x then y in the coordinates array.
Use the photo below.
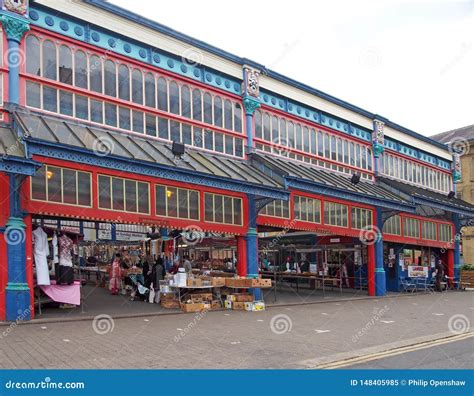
{"type": "Point", "coordinates": [409, 61]}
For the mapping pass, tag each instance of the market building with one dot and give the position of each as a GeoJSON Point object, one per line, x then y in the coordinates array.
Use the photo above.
{"type": "Point", "coordinates": [462, 140]}
{"type": "Point", "coordinates": [114, 126]}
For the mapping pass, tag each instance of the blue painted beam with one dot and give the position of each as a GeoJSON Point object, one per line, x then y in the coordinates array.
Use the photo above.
{"type": "Point", "coordinates": [74, 154]}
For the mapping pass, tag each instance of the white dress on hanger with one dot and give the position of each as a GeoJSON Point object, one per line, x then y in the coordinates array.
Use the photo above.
{"type": "Point", "coordinates": [41, 253]}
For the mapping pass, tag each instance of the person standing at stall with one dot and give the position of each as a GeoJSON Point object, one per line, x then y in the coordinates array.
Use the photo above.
{"type": "Point", "coordinates": [115, 275]}
{"type": "Point", "coordinates": [439, 273]}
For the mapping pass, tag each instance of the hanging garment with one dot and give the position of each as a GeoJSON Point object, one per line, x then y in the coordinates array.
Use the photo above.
{"type": "Point", "coordinates": [41, 253]}
{"type": "Point", "coordinates": [65, 248]}
{"type": "Point", "coordinates": [55, 250]}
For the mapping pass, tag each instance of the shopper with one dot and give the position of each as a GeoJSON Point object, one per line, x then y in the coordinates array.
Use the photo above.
{"type": "Point", "coordinates": [115, 275]}
{"type": "Point", "coordinates": [188, 268]}
{"type": "Point", "coordinates": [439, 273]}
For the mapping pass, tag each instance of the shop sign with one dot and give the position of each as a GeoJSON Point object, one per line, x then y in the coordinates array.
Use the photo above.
{"type": "Point", "coordinates": [417, 271]}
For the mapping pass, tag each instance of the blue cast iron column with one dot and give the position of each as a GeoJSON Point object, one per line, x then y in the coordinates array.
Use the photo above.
{"type": "Point", "coordinates": [17, 291]}
{"type": "Point", "coordinates": [457, 246]}
{"type": "Point", "coordinates": [380, 278]}
{"type": "Point", "coordinates": [252, 244]}
{"type": "Point", "coordinates": [15, 27]}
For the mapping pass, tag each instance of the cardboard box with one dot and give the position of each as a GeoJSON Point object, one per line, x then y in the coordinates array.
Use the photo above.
{"type": "Point", "coordinates": [248, 306]}
{"type": "Point", "coordinates": [261, 283]}
{"type": "Point", "coordinates": [258, 306]}
{"type": "Point", "coordinates": [216, 304]}
{"type": "Point", "coordinates": [228, 304]}
{"type": "Point", "coordinates": [195, 307]}
{"type": "Point", "coordinates": [170, 304]}
{"type": "Point", "coordinates": [231, 297]}
{"type": "Point", "coordinates": [238, 306]}
{"type": "Point", "coordinates": [243, 297]}
{"type": "Point", "coordinates": [238, 282]}
{"type": "Point", "coordinates": [193, 282]}
{"type": "Point", "coordinates": [206, 297]}
{"type": "Point", "coordinates": [218, 282]}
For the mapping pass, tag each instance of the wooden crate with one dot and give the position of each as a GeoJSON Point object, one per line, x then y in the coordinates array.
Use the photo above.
{"type": "Point", "coordinates": [467, 278]}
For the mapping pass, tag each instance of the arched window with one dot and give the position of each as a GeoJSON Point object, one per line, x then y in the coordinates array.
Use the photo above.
{"type": "Point", "coordinates": [291, 135]}
{"type": "Point", "coordinates": [110, 78]}
{"type": "Point", "coordinates": [275, 136]}
{"type": "Point", "coordinates": [95, 75]}
{"type": "Point", "coordinates": [237, 117]}
{"type": "Point", "coordinates": [137, 86]}
{"type": "Point", "coordinates": [298, 137]}
{"type": "Point", "coordinates": [65, 65]}
{"type": "Point", "coordinates": [327, 149]}
{"type": "Point", "coordinates": [80, 69]}
{"type": "Point", "coordinates": [320, 144]}
{"type": "Point", "coordinates": [207, 108]}
{"type": "Point", "coordinates": [33, 55]}
{"type": "Point", "coordinates": [50, 63]}
{"type": "Point", "coordinates": [314, 141]}
{"type": "Point", "coordinates": [364, 157]}
{"type": "Point", "coordinates": [339, 150]}
{"type": "Point", "coordinates": [228, 114]}
{"type": "Point", "coordinates": [283, 134]}
{"type": "Point", "coordinates": [266, 127]}
{"type": "Point", "coordinates": [150, 90]}
{"type": "Point", "coordinates": [357, 156]}
{"type": "Point", "coordinates": [217, 111]}
{"type": "Point", "coordinates": [124, 82]}
{"type": "Point", "coordinates": [306, 139]}
{"type": "Point", "coordinates": [197, 105]}
{"type": "Point", "coordinates": [185, 101]}
{"type": "Point", "coordinates": [333, 148]}
{"type": "Point", "coordinates": [174, 97]}
{"type": "Point", "coordinates": [162, 94]}
{"type": "Point", "coordinates": [258, 124]}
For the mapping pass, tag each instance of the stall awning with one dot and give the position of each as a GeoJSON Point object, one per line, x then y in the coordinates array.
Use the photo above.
{"type": "Point", "coordinates": [12, 154]}
{"type": "Point", "coordinates": [320, 181]}
{"type": "Point", "coordinates": [422, 196]}
{"type": "Point", "coordinates": [55, 137]}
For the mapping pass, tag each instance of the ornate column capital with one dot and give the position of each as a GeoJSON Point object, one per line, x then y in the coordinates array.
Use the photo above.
{"type": "Point", "coordinates": [15, 27]}
{"type": "Point", "coordinates": [250, 105]}
{"type": "Point", "coordinates": [456, 167]}
{"type": "Point", "coordinates": [378, 137]}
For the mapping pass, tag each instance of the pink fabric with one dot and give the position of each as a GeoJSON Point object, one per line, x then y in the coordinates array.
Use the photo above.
{"type": "Point", "coordinates": [67, 294]}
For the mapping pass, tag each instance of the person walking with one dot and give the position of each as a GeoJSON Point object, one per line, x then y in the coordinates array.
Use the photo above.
{"type": "Point", "coordinates": [439, 273]}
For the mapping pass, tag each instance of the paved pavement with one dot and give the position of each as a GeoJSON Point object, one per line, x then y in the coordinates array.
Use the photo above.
{"type": "Point", "coordinates": [452, 355]}
{"type": "Point", "coordinates": [281, 337]}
